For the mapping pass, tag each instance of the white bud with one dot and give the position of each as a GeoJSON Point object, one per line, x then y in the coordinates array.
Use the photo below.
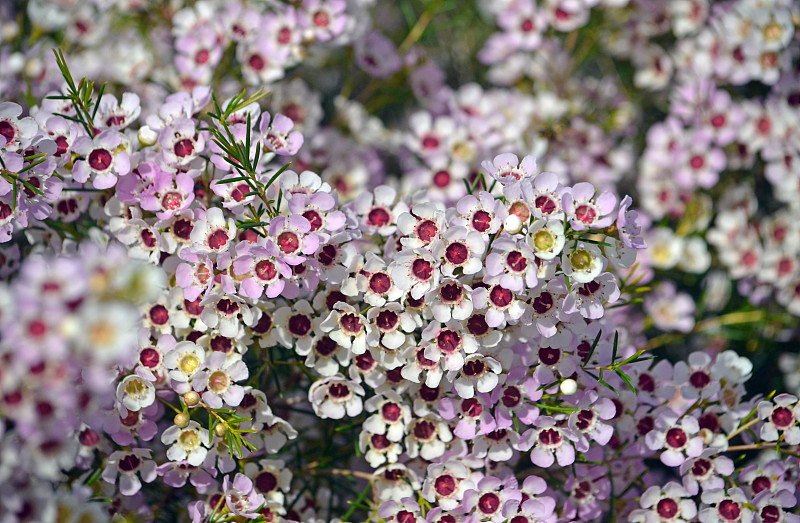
{"type": "Point", "coordinates": [9, 31]}
{"type": "Point", "coordinates": [147, 136]}
{"type": "Point", "coordinates": [33, 68]}
{"type": "Point", "coordinates": [512, 224]}
{"type": "Point", "coordinates": [569, 387]}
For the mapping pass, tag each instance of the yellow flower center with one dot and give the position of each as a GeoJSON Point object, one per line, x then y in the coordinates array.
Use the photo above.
{"type": "Point", "coordinates": [135, 388]}
{"type": "Point", "coordinates": [189, 363]}
{"type": "Point", "coordinates": [218, 381]}
{"type": "Point", "coordinates": [543, 240]}
{"type": "Point", "coordinates": [581, 259]}
{"type": "Point", "coordinates": [189, 439]}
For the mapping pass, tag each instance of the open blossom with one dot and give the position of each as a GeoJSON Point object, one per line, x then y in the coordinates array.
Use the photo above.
{"type": "Point", "coordinates": [189, 443]}
{"type": "Point", "coordinates": [103, 161]}
{"type": "Point", "coordinates": [335, 396]}
{"type": "Point", "coordinates": [218, 381]}
{"type": "Point", "coordinates": [507, 168]}
{"type": "Point", "coordinates": [241, 498]}
{"type": "Point", "coordinates": [782, 414]}
{"type": "Point", "coordinates": [131, 467]}
{"type": "Point", "coordinates": [278, 135]}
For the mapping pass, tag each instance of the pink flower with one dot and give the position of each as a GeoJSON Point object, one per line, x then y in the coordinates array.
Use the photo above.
{"type": "Point", "coordinates": [103, 160]}
{"type": "Point", "coordinates": [130, 466]}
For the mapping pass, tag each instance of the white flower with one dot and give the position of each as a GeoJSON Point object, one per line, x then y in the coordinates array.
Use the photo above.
{"type": "Point", "coordinates": [188, 443]}
{"type": "Point", "coordinates": [184, 361]}
{"type": "Point", "coordinates": [136, 393]}
{"type": "Point", "coordinates": [336, 396]}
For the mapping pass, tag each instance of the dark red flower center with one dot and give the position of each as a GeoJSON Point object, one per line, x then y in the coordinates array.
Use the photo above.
{"type": "Point", "coordinates": [450, 292]}
{"type": "Point", "coordinates": [299, 325]}
{"type": "Point", "coordinates": [543, 303]}
{"type": "Point", "coordinates": [325, 346]}
{"type": "Point", "coordinates": [481, 221]}
{"type": "Point", "coordinates": [441, 179]}
{"type": "Point", "coordinates": [339, 390]}
{"type": "Point", "coordinates": [129, 463]}
{"type": "Point", "coordinates": [782, 417]}
{"type": "Point", "coordinates": [477, 326]}
{"type": "Point", "coordinates": [351, 324]}
{"type": "Point", "coordinates": [7, 131]}
{"type": "Point", "coordinates": [699, 379]}
{"type": "Point", "coordinates": [159, 315]}
{"type": "Point", "coordinates": [585, 419]}
{"type": "Point", "coordinates": [149, 357]}
{"type": "Point", "coordinates": [550, 437]}
{"type": "Point", "coordinates": [516, 261]}
{"type": "Point", "coordinates": [424, 430]}
{"type": "Point", "coordinates": [448, 341]}
{"type": "Point", "coordinates": [427, 230]}
{"type": "Point", "coordinates": [184, 147]}
{"type": "Point", "coordinates": [379, 441]}
{"type": "Point", "coordinates": [545, 204]}
{"type": "Point", "coordinates": [444, 485]}
{"type": "Point", "coordinates": [227, 307]}
{"type": "Point", "coordinates": [314, 218]}
{"type": "Point", "coordinates": [327, 255]}
{"type": "Point", "coordinates": [760, 484]}
{"type": "Point", "coordinates": [422, 269]}
{"type": "Point", "coordinates": [677, 438]}
{"type": "Point", "coordinates": [391, 412]}
{"type": "Point", "coordinates": [380, 283]}
{"type": "Point", "coordinates": [729, 510]}
{"type": "Point", "coordinates": [100, 159]}
{"type": "Point", "coordinates": [471, 408]}
{"type": "Point", "coordinates": [456, 253]}
{"type": "Point", "coordinates": [500, 297]}
{"type": "Point", "coordinates": [266, 482]}
{"type": "Point", "coordinates": [586, 214]}
{"type": "Point", "coordinates": [288, 242]}
{"type": "Point", "coordinates": [549, 355]}
{"type": "Point", "coordinates": [378, 217]}
{"type": "Point", "coordinates": [667, 508]}
{"type": "Point", "coordinates": [218, 239]}
{"type": "Point", "coordinates": [474, 368]}
{"type": "Point", "coordinates": [387, 320]}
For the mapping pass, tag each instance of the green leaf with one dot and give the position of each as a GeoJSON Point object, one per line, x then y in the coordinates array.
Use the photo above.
{"type": "Point", "coordinates": [626, 379]}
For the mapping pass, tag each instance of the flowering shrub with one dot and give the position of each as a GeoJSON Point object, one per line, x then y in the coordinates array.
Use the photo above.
{"type": "Point", "coordinates": [440, 261]}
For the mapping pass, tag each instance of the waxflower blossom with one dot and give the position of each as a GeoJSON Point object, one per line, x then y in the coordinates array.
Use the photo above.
{"type": "Point", "coordinates": [217, 382]}
{"type": "Point", "coordinates": [189, 443]}
{"type": "Point", "coordinates": [241, 498]}
{"type": "Point", "coordinates": [665, 504]}
{"type": "Point", "coordinates": [783, 416]}
{"type": "Point", "coordinates": [131, 467]}
{"type": "Point", "coordinates": [184, 361]}
{"type": "Point", "coordinates": [549, 443]}
{"type": "Point", "coordinates": [223, 275]}
{"type": "Point", "coordinates": [278, 136]}
{"type": "Point", "coordinates": [335, 396]}
{"type": "Point", "coordinates": [507, 168]}
{"type": "Point", "coordinates": [103, 160]}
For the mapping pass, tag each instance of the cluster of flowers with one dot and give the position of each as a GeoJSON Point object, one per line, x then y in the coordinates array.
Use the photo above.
{"type": "Point", "coordinates": [68, 323]}
{"type": "Point", "coordinates": [464, 341]}
{"type": "Point", "coordinates": [697, 58]}
{"type": "Point", "coordinates": [188, 43]}
{"type": "Point", "coordinates": [482, 337]}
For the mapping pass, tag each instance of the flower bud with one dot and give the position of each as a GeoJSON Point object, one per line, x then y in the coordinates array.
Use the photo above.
{"type": "Point", "coordinates": [147, 136]}
{"type": "Point", "coordinates": [513, 224]}
{"type": "Point", "coordinates": [220, 430]}
{"type": "Point", "coordinates": [569, 387]}
{"type": "Point", "coordinates": [191, 398]}
{"type": "Point", "coordinates": [181, 419]}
